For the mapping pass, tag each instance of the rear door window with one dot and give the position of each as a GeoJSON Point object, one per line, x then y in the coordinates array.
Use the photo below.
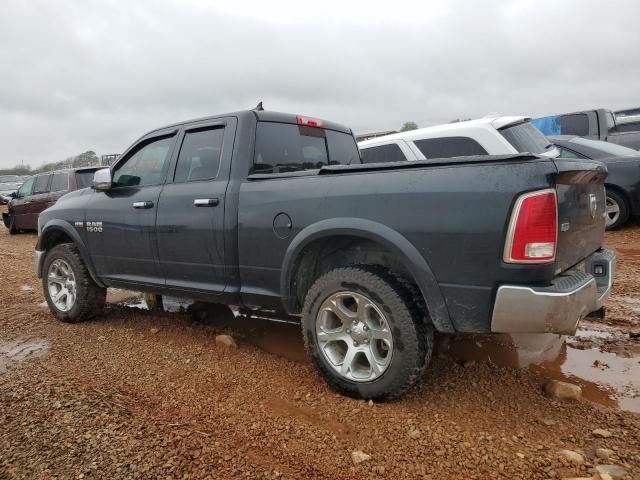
{"type": "Point", "coordinates": [84, 178]}
{"type": "Point", "coordinates": [447, 147]}
{"type": "Point", "coordinates": [526, 138]}
{"type": "Point", "coordinates": [199, 157]}
{"type": "Point", "coordinates": [382, 154]}
{"type": "Point", "coordinates": [283, 147]}
{"type": "Point", "coordinates": [41, 184]}
{"type": "Point", "coordinates": [59, 182]}
{"type": "Point", "coordinates": [574, 124]}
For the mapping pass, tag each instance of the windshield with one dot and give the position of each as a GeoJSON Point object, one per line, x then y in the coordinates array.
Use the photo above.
{"type": "Point", "coordinates": [606, 147]}
{"type": "Point", "coordinates": [526, 138]}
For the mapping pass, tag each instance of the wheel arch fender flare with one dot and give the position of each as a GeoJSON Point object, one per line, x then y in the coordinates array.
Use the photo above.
{"type": "Point", "coordinates": [61, 226]}
{"type": "Point", "coordinates": [396, 243]}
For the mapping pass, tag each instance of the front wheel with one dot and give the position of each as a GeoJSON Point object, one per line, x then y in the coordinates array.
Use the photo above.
{"type": "Point", "coordinates": [71, 293]}
{"type": "Point", "coordinates": [365, 334]}
{"type": "Point", "coordinates": [12, 226]}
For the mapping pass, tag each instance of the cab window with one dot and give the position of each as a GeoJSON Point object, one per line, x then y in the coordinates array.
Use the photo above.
{"type": "Point", "coordinates": [59, 182]}
{"type": "Point", "coordinates": [41, 184]}
{"type": "Point", "coordinates": [199, 157]}
{"type": "Point", "coordinates": [145, 166]}
{"type": "Point", "coordinates": [383, 154]}
{"type": "Point", "coordinates": [447, 147]}
{"type": "Point", "coordinates": [283, 147]}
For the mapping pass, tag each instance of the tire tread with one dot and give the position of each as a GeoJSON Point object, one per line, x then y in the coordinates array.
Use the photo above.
{"type": "Point", "coordinates": [401, 299]}
{"type": "Point", "coordinates": [94, 296]}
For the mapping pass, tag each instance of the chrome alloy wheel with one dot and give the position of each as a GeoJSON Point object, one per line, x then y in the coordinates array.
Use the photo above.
{"type": "Point", "coordinates": [61, 283]}
{"type": "Point", "coordinates": [354, 336]}
{"type": "Point", "coordinates": [612, 211]}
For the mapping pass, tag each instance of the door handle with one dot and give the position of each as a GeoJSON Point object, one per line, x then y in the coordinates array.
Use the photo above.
{"type": "Point", "coordinates": [145, 204]}
{"type": "Point", "coordinates": [206, 202]}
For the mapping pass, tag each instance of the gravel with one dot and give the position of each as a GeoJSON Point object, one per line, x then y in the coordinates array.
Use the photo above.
{"type": "Point", "coordinates": [109, 399]}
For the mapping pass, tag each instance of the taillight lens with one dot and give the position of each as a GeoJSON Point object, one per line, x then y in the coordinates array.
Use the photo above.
{"type": "Point", "coordinates": [533, 230]}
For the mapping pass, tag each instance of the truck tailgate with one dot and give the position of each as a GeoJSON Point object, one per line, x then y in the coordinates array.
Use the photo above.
{"type": "Point", "coordinates": [581, 206]}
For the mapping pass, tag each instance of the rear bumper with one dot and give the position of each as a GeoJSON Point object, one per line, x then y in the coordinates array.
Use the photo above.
{"type": "Point", "coordinates": [559, 307]}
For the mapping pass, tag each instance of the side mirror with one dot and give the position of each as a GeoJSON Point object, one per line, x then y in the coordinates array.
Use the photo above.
{"type": "Point", "coordinates": [102, 179]}
{"type": "Point", "coordinates": [13, 194]}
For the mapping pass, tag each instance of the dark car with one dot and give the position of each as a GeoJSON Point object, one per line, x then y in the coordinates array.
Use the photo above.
{"type": "Point", "coordinates": [8, 185]}
{"type": "Point", "coordinates": [41, 191]}
{"type": "Point", "coordinates": [276, 212]}
{"type": "Point", "coordinates": [623, 182]}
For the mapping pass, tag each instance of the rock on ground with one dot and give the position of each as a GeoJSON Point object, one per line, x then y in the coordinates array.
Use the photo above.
{"type": "Point", "coordinates": [562, 390]}
{"type": "Point", "coordinates": [616, 472]}
{"type": "Point", "coordinates": [572, 456]}
{"type": "Point", "coordinates": [358, 456]}
{"type": "Point", "coordinates": [226, 341]}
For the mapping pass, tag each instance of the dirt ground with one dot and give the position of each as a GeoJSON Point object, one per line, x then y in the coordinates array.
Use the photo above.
{"type": "Point", "coordinates": [138, 394]}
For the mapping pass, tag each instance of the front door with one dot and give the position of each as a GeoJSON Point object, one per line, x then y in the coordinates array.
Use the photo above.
{"type": "Point", "coordinates": [120, 222]}
{"type": "Point", "coordinates": [21, 204]}
{"type": "Point", "coordinates": [190, 220]}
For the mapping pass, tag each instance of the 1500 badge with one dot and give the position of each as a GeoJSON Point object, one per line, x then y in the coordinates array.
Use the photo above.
{"type": "Point", "coordinates": [94, 227]}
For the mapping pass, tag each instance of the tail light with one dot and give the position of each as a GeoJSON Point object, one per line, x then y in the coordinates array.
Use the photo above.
{"type": "Point", "coordinates": [310, 122]}
{"type": "Point", "coordinates": [533, 230]}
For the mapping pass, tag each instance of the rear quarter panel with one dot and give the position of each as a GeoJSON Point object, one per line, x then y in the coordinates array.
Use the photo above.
{"type": "Point", "coordinates": [455, 216]}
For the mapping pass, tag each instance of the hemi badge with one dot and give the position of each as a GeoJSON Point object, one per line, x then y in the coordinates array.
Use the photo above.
{"type": "Point", "coordinates": [79, 224]}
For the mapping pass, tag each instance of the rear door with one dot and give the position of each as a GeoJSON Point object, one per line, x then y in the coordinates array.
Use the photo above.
{"type": "Point", "coordinates": [581, 209]}
{"type": "Point", "coordinates": [120, 222]}
{"type": "Point", "coordinates": [38, 201]}
{"type": "Point", "coordinates": [191, 209]}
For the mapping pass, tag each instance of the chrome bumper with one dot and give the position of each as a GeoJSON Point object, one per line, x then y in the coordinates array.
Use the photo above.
{"type": "Point", "coordinates": [38, 259]}
{"type": "Point", "coordinates": [559, 307]}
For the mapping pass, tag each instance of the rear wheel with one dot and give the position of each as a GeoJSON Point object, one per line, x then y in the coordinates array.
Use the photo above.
{"type": "Point", "coordinates": [617, 210]}
{"type": "Point", "coordinates": [364, 333]}
{"type": "Point", "coordinates": [71, 293]}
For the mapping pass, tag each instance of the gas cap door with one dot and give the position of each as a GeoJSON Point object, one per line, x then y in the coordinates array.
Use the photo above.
{"type": "Point", "coordinates": [282, 225]}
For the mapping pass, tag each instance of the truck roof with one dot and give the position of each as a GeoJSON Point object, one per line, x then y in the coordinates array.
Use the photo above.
{"type": "Point", "coordinates": [263, 116]}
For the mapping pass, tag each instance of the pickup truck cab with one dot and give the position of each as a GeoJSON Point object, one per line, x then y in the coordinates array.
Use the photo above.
{"type": "Point", "coordinates": [275, 212]}
{"type": "Point", "coordinates": [598, 124]}
{"type": "Point", "coordinates": [484, 136]}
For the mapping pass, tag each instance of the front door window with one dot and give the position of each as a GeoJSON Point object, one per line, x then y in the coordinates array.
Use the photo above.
{"type": "Point", "coordinates": [25, 189]}
{"type": "Point", "coordinates": [145, 166]}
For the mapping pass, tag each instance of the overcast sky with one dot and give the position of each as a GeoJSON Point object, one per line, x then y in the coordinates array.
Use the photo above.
{"type": "Point", "coordinates": [80, 75]}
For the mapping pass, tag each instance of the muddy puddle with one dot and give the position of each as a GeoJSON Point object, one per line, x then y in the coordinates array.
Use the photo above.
{"type": "Point", "coordinates": [606, 378]}
{"type": "Point", "coordinates": [15, 351]}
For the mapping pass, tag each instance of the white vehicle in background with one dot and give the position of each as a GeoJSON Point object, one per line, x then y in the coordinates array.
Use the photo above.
{"type": "Point", "coordinates": [484, 136]}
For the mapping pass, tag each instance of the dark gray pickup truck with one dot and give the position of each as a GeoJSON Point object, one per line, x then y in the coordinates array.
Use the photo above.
{"type": "Point", "coordinates": [275, 212]}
